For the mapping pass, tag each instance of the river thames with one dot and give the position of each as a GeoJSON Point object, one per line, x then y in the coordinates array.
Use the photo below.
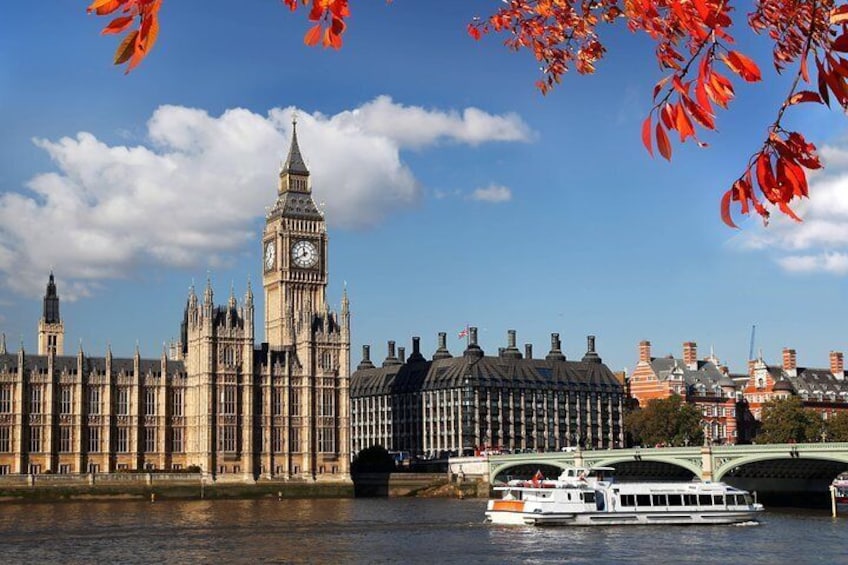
{"type": "Point", "coordinates": [399, 530]}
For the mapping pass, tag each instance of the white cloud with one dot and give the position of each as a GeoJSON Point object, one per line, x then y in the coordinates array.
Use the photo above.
{"type": "Point", "coordinates": [820, 242]}
{"type": "Point", "coordinates": [493, 193]}
{"type": "Point", "coordinates": [193, 194]}
{"type": "Point", "coordinates": [413, 126]}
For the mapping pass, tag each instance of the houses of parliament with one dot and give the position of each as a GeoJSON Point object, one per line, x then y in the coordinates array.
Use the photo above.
{"type": "Point", "coordinates": [216, 401]}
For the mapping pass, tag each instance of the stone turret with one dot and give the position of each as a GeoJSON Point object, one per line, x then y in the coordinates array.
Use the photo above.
{"type": "Point", "coordinates": [366, 359]}
{"type": "Point", "coordinates": [555, 353]}
{"type": "Point", "coordinates": [591, 356]}
{"type": "Point", "coordinates": [442, 351]}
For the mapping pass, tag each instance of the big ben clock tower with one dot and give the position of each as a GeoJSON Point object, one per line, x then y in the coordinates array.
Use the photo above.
{"type": "Point", "coordinates": [294, 251]}
{"type": "Point", "coordinates": [309, 435]}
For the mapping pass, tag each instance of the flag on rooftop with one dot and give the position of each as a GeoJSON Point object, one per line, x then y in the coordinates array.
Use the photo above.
{"type": "Point", "coordinates": [463, 333]}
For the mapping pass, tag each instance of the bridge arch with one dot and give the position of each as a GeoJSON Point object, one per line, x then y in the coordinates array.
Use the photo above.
{"type": "Point", "coordinates": [497, 470]}
{"type": "Point", "coordinates": [691, 465]}
{"type": "Point", "coordinates": [727, 465]}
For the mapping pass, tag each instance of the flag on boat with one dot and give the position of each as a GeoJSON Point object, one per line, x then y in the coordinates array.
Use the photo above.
{"type": "Point", "coordinates": [538, 477]}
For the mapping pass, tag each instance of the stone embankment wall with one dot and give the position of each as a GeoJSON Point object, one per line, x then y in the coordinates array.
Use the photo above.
{"type": "Point", "coordinates": [417, 484]}
{"type": "Point", "coordinates": [150, 486]}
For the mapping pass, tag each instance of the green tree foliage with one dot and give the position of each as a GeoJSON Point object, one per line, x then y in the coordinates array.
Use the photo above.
{"type": "Point", "coordinates": [837, 427]}
{"type": "Point", "coordinates": [374, 459]}
{"type": "Point", "coordinates": [786, 421]}
{"type": "Point", "coordinates": [668, 421]}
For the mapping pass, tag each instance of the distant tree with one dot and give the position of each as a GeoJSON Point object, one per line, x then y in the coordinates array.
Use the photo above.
{"type": "Point", "coordinates": [837, 427]}
{"type": "Point", "coordinates": [786, 421]}
{"type": "Point", "coordinates": [374, 459]}
{"type": "Point", "coordinates": [669, 421]}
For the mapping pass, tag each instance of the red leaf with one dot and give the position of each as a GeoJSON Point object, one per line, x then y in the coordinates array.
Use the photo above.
{"type": "Point", "coordinates": [839, 15]}
{"type": "Point", "coordinates": [684, 124]}
{"type": "Point", "coordinates": [659, 86]}
{"type": "Point", "coordinates": [118, 25]}
{"type": "Point", "coordinates": [663, 144]}
{"type": "Point", "coordinates": [103, 7]}
{"type": "Point", "coordinates": [765, 177]}
{"type": "Point", "coordinates": [725, 209]}
{"type": "Point", "coordinates": [646, 135]}
{"type": "Point", "coordinates": [667, 116]}
{"type": "Point", "coordinates": [742, 66]}
{"type": "Point", "coordinates": [788, 211]}
{"type": "Point", "coordinates": [474, 32]}
{"type": "Point", "coordinates": [126, 49]}
{"type": "Point", "coordinates": [313, 36]}
{"type": "Point", "coordinates": [804, 96]}
{"type": "Point", "coordinates": [701, 116]}
{"type": "Point", "coordinates": [840, 43]}
{"type": "Point", "coordinates": [804, 72]}
{"type": "Point", "coordinates": [822, 83]}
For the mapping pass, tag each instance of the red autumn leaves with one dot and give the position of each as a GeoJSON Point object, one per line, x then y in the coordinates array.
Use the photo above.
{"type": "Point", "coordinates": [693, 46]}
{"type": "Point", "coordinates": [329, 15]}
{"type": "Point", "coordinates": [138, 42]}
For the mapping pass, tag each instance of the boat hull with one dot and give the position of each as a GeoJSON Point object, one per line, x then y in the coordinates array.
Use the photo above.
{"type": "Point", "coordinates": [620, 518]}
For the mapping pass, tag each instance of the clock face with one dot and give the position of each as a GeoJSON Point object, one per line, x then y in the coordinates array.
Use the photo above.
{"type": "Point", "coordinates": [270, 255]}
{"type": "Point", "coordinates": [304, 254]}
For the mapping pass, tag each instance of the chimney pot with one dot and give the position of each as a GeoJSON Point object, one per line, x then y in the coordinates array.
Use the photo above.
{"type": "Point", "coordinates": [366, 352]}
{"type": "Point", "coordinates": [402, 354]}
{"type": "Point", "coordinates": [837, 366]}
{"type": "Point", "coordinates": [472, 332]}
{"type": "Point", "coordinates": [443, 340]}
{"type": "Point", "coordinates": [690, 353]}
{"type": "Point", "coordinates": [528, 350]}
{"type": "Point", "coordinates": [391, 348]}
{"type": "Point", "coordinates": [590, 343]}
{"type": "Point", "coordinates": [510, 339]}
{"type": "Point", "coordinates": [416, 345]}
{"type": "Point", "coordinates": [645, 351]}
{"type": "Point", "coordinates": [789, 359]}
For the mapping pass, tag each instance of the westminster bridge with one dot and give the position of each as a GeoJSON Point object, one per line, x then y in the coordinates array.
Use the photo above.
{"type": "Point", "coordinates": [788, 471]}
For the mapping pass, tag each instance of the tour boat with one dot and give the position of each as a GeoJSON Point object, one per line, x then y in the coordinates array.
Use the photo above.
{"type": "Point", "coordinates": [841, 486]}
{"type": "Point", "coordinates": [591, 497]}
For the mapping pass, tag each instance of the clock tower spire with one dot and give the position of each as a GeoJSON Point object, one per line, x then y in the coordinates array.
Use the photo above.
{"type": "Point", "coordinates": [294, 251]}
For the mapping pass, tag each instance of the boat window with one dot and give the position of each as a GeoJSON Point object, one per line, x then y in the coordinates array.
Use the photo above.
{"type": "Point", "coordinates": [643, 500]}
{"type": "Point", "coordinates": [735, 499]}
{"type": "Point", "coordinates": [705, 500]}
{"type": "Point", "coordinates": [628, 500]}
{"type": "Point", "coordinates": [658, 499]}
{"type": "Point", "coordinates": [589, 496]}
{"type": "Point", "coordinates": [675, 500]}
{"type": "Point", "coordinates": [718, 499]}
{"type": "Point", "coordinates": [749, 499]}
{"type": "Point", "coordinates": [691, 499]}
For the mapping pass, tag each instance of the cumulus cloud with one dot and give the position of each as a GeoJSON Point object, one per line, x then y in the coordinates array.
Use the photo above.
{"type": "Point", "coordinates": [820, 242]}
{"type": "Point", "coordinates": [493, 193]}
{"type": "Point", "coordinates": [193, 192]}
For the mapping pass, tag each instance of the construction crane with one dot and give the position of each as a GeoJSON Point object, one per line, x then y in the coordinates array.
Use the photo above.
{"type": "Point", "coordinates": [751, 349]}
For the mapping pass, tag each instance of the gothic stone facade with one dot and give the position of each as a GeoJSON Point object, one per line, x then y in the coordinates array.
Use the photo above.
{"type": "Point", "coordinates": [217, 401]}
{"type": "Point", "coordinates": [474, 402]}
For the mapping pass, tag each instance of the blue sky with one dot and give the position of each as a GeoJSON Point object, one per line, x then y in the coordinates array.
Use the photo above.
{"type": "Point", "coordinates": [455, 193]}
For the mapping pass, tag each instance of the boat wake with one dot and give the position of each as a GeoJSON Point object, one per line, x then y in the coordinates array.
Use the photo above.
{"type": "Point", "coordinates": [747, 524]}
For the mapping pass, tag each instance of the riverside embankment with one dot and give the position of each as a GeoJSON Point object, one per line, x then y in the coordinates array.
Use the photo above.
{"type": "Point", "coordinates": [152, 486]}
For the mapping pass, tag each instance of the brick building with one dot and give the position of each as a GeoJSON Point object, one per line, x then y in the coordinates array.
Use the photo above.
{"type": "Point", "coordinates": [703, 382]}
